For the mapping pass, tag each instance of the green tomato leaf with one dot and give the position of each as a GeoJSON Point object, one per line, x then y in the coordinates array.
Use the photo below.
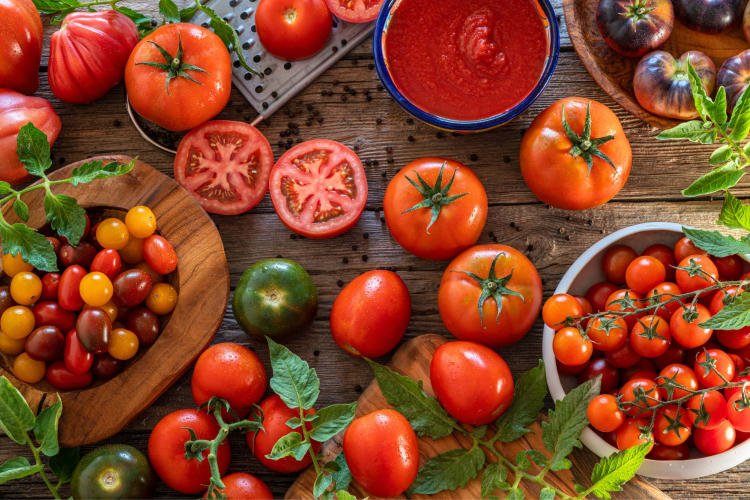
{"type": "Point", "coordinates": [694, 131]}
{"type": "Point", "coordinates": [332, 420]}
{"type": "Point", "coordinates": [717, 109]}
{"type": "Point", "coordinates": [65, 216]}
{"type": "Point", "coordinates": [55, 6]}
{"type": "Point", "coordinates": [322, 482]}
{"type": "Point", "coordinates": [188, 13]}
{"type": "Point", "coordinates": [733, 316]}
{"type": "Point", "coordinates": [21, 209]}
{"type": "Point", "coordinates": [33, 150]}
{"type": "Point", "coordinates": [718, 179]}
{"type": "Point", "coordinates": [142, 22]}
{"type": "Point", "coordinates": [424, 413]}
{"type": "Point", "coordinates": [33, 247]}
{"type": "Point", "coordinates": [717, 244]}
{"type": "Point", "coordinates": [294, 423]}
{"type": "Point", "coordinates": [700, 99]}
{"type": "Point", "coordinates": [740, 121]}
{"type": "Point", "coordinates": [344, 495]}
{"type": "Point", "coordinates": [292, 444]}
{"type": "Point", "coordinates": [45, 429]}
{"type": "Point", "coordinates": [16, 468]}
{"type": "Point", "coordinates": [64, 463]}
{"type": "Point", "coordinates": [228, 35]}
{"type": "Point", "coordinates": [494, 478]}
{"type": "Point", "coordinates": [611, 472]}
{"type": "Point", "coordinates": [343, 476]}
{"type": "Point", "coordinates": [734, 214]}
{"type": "Point", "coordinates": [5, 188]}
{"type": "Point", "coordinates": [528, 401]}
{"type": "Point", "coordinates": [448, 471]}
{"type": "Point", "coordinates": [16, 418]}
{"type": "Point", "coordinates": [94, 170]}
{"type": "Point", "coordinates": [293, 380]}
{"type": "Point", "coordinates": [720, 155]}
{"type": "Point", "coordinates": [547, 493]}
{"type": "Point", "coordinates": [170, 11]}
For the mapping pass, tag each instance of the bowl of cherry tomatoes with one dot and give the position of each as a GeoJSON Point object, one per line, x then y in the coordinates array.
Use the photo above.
{"type": "Point", "coordinates": [624, 311]}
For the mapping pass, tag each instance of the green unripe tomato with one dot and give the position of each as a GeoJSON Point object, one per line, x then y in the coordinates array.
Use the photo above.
{"type": "Point", "coordinates": [113, 471]}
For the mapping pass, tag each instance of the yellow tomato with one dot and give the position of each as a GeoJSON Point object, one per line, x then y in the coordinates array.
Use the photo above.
{"type": "Point", "coordinates": [28, 369]}
{"type": "Point", "coordinates": [162, 298]}
{"type": "Point", "coordinates": [25, 288]}
{"type": "Point", "coordinates": [13, 265]}
{"type": "Point", "coordinates": [141, 221]}
{"type": "Point", "coordinates": [17, 322]}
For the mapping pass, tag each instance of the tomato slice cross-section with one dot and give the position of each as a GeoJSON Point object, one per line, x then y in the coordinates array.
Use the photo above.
{"type": "Point", "coordinates": [355, 11]}
{"type": "Point", "coordinates": [319, 188]}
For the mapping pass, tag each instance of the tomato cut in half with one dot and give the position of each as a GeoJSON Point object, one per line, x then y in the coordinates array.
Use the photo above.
{"type": "Point", "coordinates": [318, 188]}
{"type": "Point", "coordinates": [224, 165]}
{"type": "Point", "coordinates": [355, 11]}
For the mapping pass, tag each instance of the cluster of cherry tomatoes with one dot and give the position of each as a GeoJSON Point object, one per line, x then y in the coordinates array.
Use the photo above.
{"type": "Point", "coordinates": [85, 322]}
{"type": "Point", "coordinates": [640, 355]}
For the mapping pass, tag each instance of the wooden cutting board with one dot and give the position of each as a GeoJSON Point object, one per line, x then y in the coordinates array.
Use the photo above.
{"type": "Point", "coordinates": [413, 360]}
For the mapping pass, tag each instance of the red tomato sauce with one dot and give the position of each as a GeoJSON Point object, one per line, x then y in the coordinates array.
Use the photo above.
{"type": "Point", "coordinates": [466, 59]}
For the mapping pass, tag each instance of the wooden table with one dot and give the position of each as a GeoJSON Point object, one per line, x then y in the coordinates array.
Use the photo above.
{"type": "Point", "coordinates": [347, 104]}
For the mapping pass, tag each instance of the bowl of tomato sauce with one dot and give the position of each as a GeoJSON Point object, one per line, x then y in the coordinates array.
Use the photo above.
{"type": "Point", "coordinates": [466, 65]}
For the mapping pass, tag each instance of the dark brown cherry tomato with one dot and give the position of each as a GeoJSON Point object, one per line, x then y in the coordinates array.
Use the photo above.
{"type": "Point", "coordinates": [665, 256]}
{"type": "Point", "coordinates": [105, 366]}
{"type": "Point", "coordinates": [82, 254]}
{"type": "Point", "coordinates": [50, 285]}
{"type": "Point", "coordinates": [616, 261]}
{"type": "Point", "coordinates": [624, 357]}
{"type": "Point", "coordinates": [76, 358]}
{"type": "Point", "coordinates": [68, 294]}
{"type": "Point", "coordinates": [159, 254]}
{"type": "Point", "coordinates": [708, 16]}
{"type": "Point", "coordinates": [685, 247]}
{"type": "Point", "coordinates": [61, 378]}
{"type": "Point", "coordinates": [599, 293]}
{"type": "Point", "coordinates": [56, 244]}
{"type": "Point", "coordinates": [675, 354]}
{"type": "Point", "coordinates": [643, 369]}
{"type": "Point", "coordinates": [600, 366]}
{"type": "Point", "coordinates": [730, 267]}
{"type": "Point", "coordinates": [50, 313]}
{"type": "Point", "coordinates": [734, 75]}
{"type": "Point", "coordinates": [46, 343]}
{"type": "Point", "coordinates": [6, 300]}
{"type": "Point", "coordinates": [661, 83]}
{"type": "Point", "coordinates": [94, 329]}
{"type": "Point", "coordinates": [145, 324]}
{"type": "Point", "coordinates": [107, 261]}
{"type": "Point", "coordinates": [634, 27]}
{"type": "Point", "coordinates": [131, 287]}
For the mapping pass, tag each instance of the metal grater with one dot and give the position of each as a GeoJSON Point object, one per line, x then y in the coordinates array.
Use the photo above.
{"type": "Point", "coordinates": [281, 79]}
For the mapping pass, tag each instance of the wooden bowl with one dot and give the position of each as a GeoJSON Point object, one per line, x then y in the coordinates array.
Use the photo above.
{"type": "Point", "coordinates": [614, 72]}
{"type": "Point", "coordinates": [95, 413]}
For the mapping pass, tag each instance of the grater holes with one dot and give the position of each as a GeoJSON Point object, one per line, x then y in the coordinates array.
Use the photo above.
{"type": "Point", "coordinates": [265, 105]}
{"type": "Point", "coordinates": [233, 3]}
{"type": "Point", "coordinates": [205, 25]}
{"type": "Point", "coordinates": [287, 65]}
{"type": "Point", "coordinates": [253, 28]}
{"type": "Point", "coordinates": [246, 46]}
{"type": "Point", "coordinates": [343, 42]}
{"type": "Point", "coordinates": [256, 58]}
{"type": "Point", "coordinates": [236, 64]}
{"type": "Point", "coordinates": [248, 76]}
{"type": "Point", "coordinates": [334, 49]}
{"type": "Point", "coordinates": [244, 15]}
{"type": "Point", "coordinates": [258, 89]}
{"type": "Point", "coordinates": [274, 94]}
{"type": "Point", "coordinates": [267, 71]}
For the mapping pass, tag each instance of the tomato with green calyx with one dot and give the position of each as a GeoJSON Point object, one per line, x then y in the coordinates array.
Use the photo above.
{"type": "Point", "coordinates": [603, 413]}
{"type": "Point", "coordinates": [675, 375]}
{"type": "Point", "coordinates": [632, 432]}
{"type": "Point", "coordinates": [672, 425]}
{"type": "Point", "coordinates": [571, 348]}
{"type": "Point", "coordinates": [635, 27]}
{"type": "Point", "coordinates": [113, 471]}
{"type": "Point", "coordinates": [650, 336]}
{"type": "Point", "coordinates": [685, 326]}
{"type": "Point", "coordinates": [435, 208]}
{"type": "Point", "coordinates": [490, 294]}
{"type": "Point", "coordinates": [275, 297]}
{"type": "Point", "coordinates": [707, 410]}
{"type": "Point", "coordinates": [713, 367]}
{"type": "Point", "coordinates": [560, 309]}
{"type": "Point", "coordinates": [638, 395]}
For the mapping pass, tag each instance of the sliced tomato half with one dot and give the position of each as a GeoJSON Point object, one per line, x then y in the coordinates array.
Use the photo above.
{"type": "Point", "coordinates": [355, 11]}
{"type": "Point", "coordinates": [224, 165]}
{"type": "Point", "coordinates": [319, 188]}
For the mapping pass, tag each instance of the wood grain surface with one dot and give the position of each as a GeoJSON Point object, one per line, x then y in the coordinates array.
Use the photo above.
{"type": "Point", "coordinates": [413, 360]}
{"type": "Point", "coordinates": [386, 138]}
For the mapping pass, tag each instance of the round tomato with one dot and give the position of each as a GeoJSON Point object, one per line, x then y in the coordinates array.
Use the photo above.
{"type": "Point", "coordinates": [616, 261]}
{"type": "Point", "coordinates": [21, 47]}
{"type": "Point", "coordinates": [642, 369]}
{"type": "Point", "coordinates": [624, 357]}
{"type": "Point", "coordinates": [318, 188]}
{"type": "Point", "coordinates": [715, 441]}
{"type": "Point", "coordinates": [608, 333]}
{"type": "Point", "coordinates": [650, 336]}
{"type": "Point", "coordinates": [506, 280]}
{"type": "Point", "coordinates": [435, 223]}
{"type": "Point", "coordinates": [355, 11]}
{"type": "Point", "coordinates": [690, 334]}
{"type": "Point", "coordinates": [730, 267]}
{"type": "Point", "coordinates": [472, 382]}
{"type": "Point", "coordinates": [560, 309]}
{"type": "Point", "coordinates": [707, 276]}
{"type": "Point", "coordinates": [663, 452]}
{"type": "Point", "coordinates": [707, 410]}
{"type": "Point", "coordinates": [293, 29]}
{"type": "Point", "coordinates": [113, 471]}
{"type": "Point", "coordinates": [381, 451]}
{"type": "Point", "coordinates": [713, 367]}
{"type": "Point", "coordinates": [672, 425]}
{"type": "Point", "coordinates": [189, 87]}
{"type": "Point", "coordinates": [738, 415]}
{"type": "Point", "coordinates": [166, 450]}
{"type": "Point", "coordinates": [371, 314]}
{"type": "Point", "coordinates": [16, 110]}
{"type": "Point", "coordinates": [733, 339]}
{"type": "Point", "coordinates": [244, 486]}
{"type": "Point", "coordinates": [599, 293]}
{"type": "Point", "coordinates": [571, 347]}
{"type": "Point", "coordinates": [665, 255]}
{"type": "Point", "coordinates": [664, 292]}
{"type": "Point", "coordinates": [224, 165]}
{"type": "Point", "coordinates": [232, 372]}
{"type": "Point", "coordinates": [88, 53]}
{"type": "Point", "coordinates": [632, 432]}
{"type": "Point", "coordinates": [567, 171]}
{"type": "Point", "coordinates": [644, 273]}
{"type": "Point", "coordinates": [600, 366]}
{"type": "Point", "coordinates": [680, 379]}
{"type": "Point", "coordinates": [635, 299]}
{"type": "Point", "coordinates": [685, 247]}
{"type": "Point", "coordinates": [603, 413]}
{"type": "Point", "coordinates": [629, 397]}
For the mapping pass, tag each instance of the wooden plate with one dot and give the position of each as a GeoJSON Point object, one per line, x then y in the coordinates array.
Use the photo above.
{"type": "Point", "coordinates": [93, 414]}
{"type": "Point", "coordinates": [614, 72]}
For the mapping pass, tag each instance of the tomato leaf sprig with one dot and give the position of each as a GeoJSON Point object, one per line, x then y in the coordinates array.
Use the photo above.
{"type": "Point", "coordinates": [63, 213]}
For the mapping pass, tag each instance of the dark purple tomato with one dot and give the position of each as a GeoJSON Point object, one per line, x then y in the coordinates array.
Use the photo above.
{"type": "Point", "coordinates": [6, 300]}
{"type": "Point", "coordinates": [145, 324]}
{"type": "Point", "coordinates": [61, 378]}
{"type": "Point", "coordinates": [68, 293]}
{"type": "Point", "coordinates": [106, 367]}
{"type": "Point", "coordinates": [50, 286]}
{"type": "Point", "coordinates": [46, 343]}
{"type": "Point", "coordinates": [50, 313]}
{"type": "Point", "coordinates": [635, 27]}
{"type": "Point", "coordinates": [77, 359]}
{"type": "Point", "coordinates": [734, 76]}
{"type": "Point", "coordinates": [56, 244]}
{"type": "Point", "coordinates": [709, 16]}
{"type": "Point", "coordinates": [82, 254]}
{"type": "Point", "coordinates": [662, 87]}
{"type": "Point", "coordinates": [107, 261]}
{"type": "Point", "coordinates": [94, 329]}
{"type": "Point", "coordinates": [131, 287]}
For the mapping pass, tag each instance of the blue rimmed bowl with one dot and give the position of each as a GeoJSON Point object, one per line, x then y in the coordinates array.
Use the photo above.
{"type": "Point", "coordinates": [381, 65]}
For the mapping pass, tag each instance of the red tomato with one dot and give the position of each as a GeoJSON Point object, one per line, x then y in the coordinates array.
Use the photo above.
{"type": "Point", "coordinates": [50, 285]}
{"type": "Point", "coordinates": [723, 369]}
{"type": "Point", "coordinates": [603, 413]}
{"type": "Point", "coordinates": [88, 54]}
{"type": "Point", "coordinates": [738, 416]}
{"type": "Point", "coordinates": [107, 261]}
{"type": "Point", "coordinates": [636, 300]}
{"type": "Point", "coordinates": [650, 337]}
{"type": "Point", "coordinates": [21, 46]}
{"type": "Point", "coordinates": [355, 11]}
{"type": "Point", "coordinates": [663, 452]}
{"type": "Point", "coordinates": [570, 370]}
{"type": "Point", "coordinates": [472, 382]}
{"type": "Point", "coordinates": [16, 110]}
{"type": "Point", "coordinates": [715, 441]}
{"type": "Point", "coordinates": [643, 369]}
{"type": "Point", "coordinates": [599, 293]}
{"type": "Point", "coordinates": [731, 391]}
{"type": "Point", "coordinates": [585, 305]}
{"type": "Point", "coordinates": [663, 431]}
{"type": "Point", "coordinates": [616, 261]}
{"type": "Point", "coordinates": [676, 374]}
{"type": "Point", "coordinates": [319, 188]}
{"type": "Point", "coordinates": [382, 454]}
{"type": "Point", "coordinates": [68, 295]}
{"type": "Point", "coordinates": [166, 450]}
{"type": "Point", "coordinates": [644, 273]}
{"type": "Point", "coordinates": [628, 395]}
{"type": "Point", "coordinates": [61, 378]}
{"type": "Point", "coordinates": [624, 357]}
{"type": "Point", "coordinates": [232, 372]}
{"type": "Point", "coordinates": [730, 268]}
{"type": "Point", "coordinates": [600, 366]}
{"type": "Point", "coordinates": [371, 314]}
{"type": "Point", "coordinates": [82, 254]}
{"type": "Point", "coordinates": [516, 285]}
{"type": "Point", "coordinates": [560, 308]}
{"type": "Point", "coordinates": [665, 256]}
{"type": "Point", "coordinates": [690, 335]}
{"type": "Point", "coordinates": [77, 359]}
{"type": "Point", "coordinates": [675, 354]}
{"type": "Point", "coordinates": [275, 416]}
{"type": "Point", "coordinates": [459, 222]}
{"type": "Point", "coordinates": [571, 347]}
{"type": "Point", "coordinates": [733, 339]}
{"type": "Point", "coordinates": [689, 283]}
{"type": "Point", "coordinates": [608, 333]}
{"type": "Point", "coordinates": [224, 165]}
{"type": "Point", "coordinates": [293, 29]}
{"type": "Point", "coordinates": [684, 247]}
{"type": "Point", "coordinates": [244, 486]}
{"type": "Point", "coordinates": [715, 409]}
{"type": "Point", "coordinates": [50, 313]}
{"type": "Point", "coordinates": [159, 254]}
{"type": "Point", "coordinates": [662, 293]}
{"type": "Point", "coordinates": [633, 432]}
{"type": "Point", "coordinates": [739, 363]}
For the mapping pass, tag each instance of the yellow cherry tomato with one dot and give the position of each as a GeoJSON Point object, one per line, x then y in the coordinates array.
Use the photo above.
{"type": "Point", "coordinates": [162, 298]}
{"type": "Point", "coordinates": [132, 253]}
{"type": "Point", "coordinates": [17, 322]}
{"type": "Point", "coordinates": [11, 346]}
{"type": "Point", "coordinates": [28, 369]}
{"type": "Point", "coordinates": [112, 310]}
{"type": "Point", "coordinates": [25, 288]}
{"type": "Point", "coordinates": [141, 221]}
{"type": "Point", "coordinates": [123, 344]}
{"type": "Point", "coordinates": [155, 277]}
{"type": "Point", "coordinates": [112, 233]}
{"type": "Point", "coordinates": [13, 265]}
{"type": "Point", "coordinates": [95, 289]}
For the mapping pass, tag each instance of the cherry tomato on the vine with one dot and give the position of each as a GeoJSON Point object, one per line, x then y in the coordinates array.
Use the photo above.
{"type": "Point", "coordinates": [614, 304]}
{"type": "Point", "coordinates": [559, 308]}
{"type": "Point", "coordinates": [676, 375]}
{"type": "Point", "coordinates": [603, 413]}
{"type": "Point", "coordinates": [716, 440]}
{"type": "Point", "coordinates": [684, 247]}
{"type": "Point", "coordinates": [644, 273]}
{"type": "Point", "coordinates": [713, 413]}
{"type": "Point", "coordinates": [608, 333]}
{"type": "Point", "coordinates": [690, 334]}
{"type": "Point", "coordinates": [599, 293]}
{"type": "Point", "coordinates": [571, 347]}
{"type": "Point", "coordinates": [650, 336]}
{"type": "Point", "coordinates": [600, 366]}
{"type": "Point", "coordinates": [713, 367]}
{"type": "Point", "coordinates": [616, 261]}
{"type": "Point", "coordinates": [665, 256]}
{"type": "Point", "coordinates": [632, 432]}
{"type": "Point", "coordinates": [688, 283]}
{"type": "Point", "coordinates": [672, 426]}
{"type": "Point", "coordinates": [661, 293]}
{"type": "Point", "coordinates": [646, 389]}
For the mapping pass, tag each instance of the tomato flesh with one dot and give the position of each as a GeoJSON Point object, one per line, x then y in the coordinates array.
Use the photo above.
{"type": "Point", "coordinates": [355, 11]}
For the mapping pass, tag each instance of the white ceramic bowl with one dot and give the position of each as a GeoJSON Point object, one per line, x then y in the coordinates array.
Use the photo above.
{"type": "Point", "coordinates": [586, 271]}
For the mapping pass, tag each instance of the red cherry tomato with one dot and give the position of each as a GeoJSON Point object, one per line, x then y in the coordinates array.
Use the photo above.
{"type": "Point", "coordinates": [570, 370]}
{"type": "Point", "coordinates": [50, 285]}
{"type": "Point", "coordinates": [738, 415]}
{"type": "Point", "coordinates": [603, 413]}
{"type": "Point", "coordinates": [50, 313]}
{"type": "Point", "coordinates": [68, 294]}
{"type": "Point", "coordinates": [628, 395]}
{"type": "Point", "coordinates": [144, 323]}
{"type": "Point", "coordinates": [599, 293]}
{"type": "Point", "coordinates": [689, 283]}
{"type": "Point", "coordinates": [635, 298]}
{"type": "Point", "coordinates": [715, 410]}
{"type": "Point", "coordinates": [585, 305]}
{"type": "Point", "coordinates": [56, 244]}
{"type": "Point", "coordinates": [664, 429]}
{"type": "Point", "coordinates": [61, 378]}
{"type": "Point", "coordinates": [616, 261]}
{"type": "Point", "coordinates": [559, 308]}
{"type": "Point", "coordinates": [664, 292]}
{"type": "Point", "coordinates": [608, 333]}
{"type": "Point", "coordinates": [723, 368]}
{"type": "Point", "coordinates": [107, 261]}
{"type": "Point", "coordinates": [731, 391]}
{"type": "Point", "coordinates": [665, 256]}
{"type": "Point", "coordinates": [685, 247]}
{"type": "Point", "coordinates": [244, 486]}
{"type": "Point", "coordinates": [739, 363]}
{"type": "Point", "coordinates": [599, 366]}
{"type": "Point", "coordinates": [632, 433]}
{"type": "Point", "coordinates": [643, 369]}
{"type": "Point", "coordinates": [732, 339]}
{"type": "Point", "coordinates": [715, 441]}
{"type": "Point", "coordinates": [675, 354]}
{"type": "Point", "coordinates": [159, 254]}
{"type": "Point", "coordinates": [624, 357]}
{"type": "Point", "coordinates": [664, 452]}
{"type": "Point", "coordinates": [571, 347]}
{"type": "Point", "coordinates": [676, 374]}
{"type": "Point", "coordinates": [690, 335]}
{"type": "Point", "coordinates": [730, 268]}
{"type": "Point", "coordinates": [650, 336]}
{"type": "Point", "coordinates": [644, 273]}
{"type": "Point", "coordinates": [77, 359]}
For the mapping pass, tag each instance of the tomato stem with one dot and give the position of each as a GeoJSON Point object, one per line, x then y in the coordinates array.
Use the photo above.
{"type": "Point", "coordinates": [583, 145]}
{"type": "Point", "coordinates": [435, 197]}
{"type": "Point", "coordinates": [173, 65]}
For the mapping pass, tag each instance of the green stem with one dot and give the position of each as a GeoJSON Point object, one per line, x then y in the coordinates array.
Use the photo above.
{"type": "Point", "coordinates": [306, 436]}
{"type": "Point", "coordinates": [38, 461]}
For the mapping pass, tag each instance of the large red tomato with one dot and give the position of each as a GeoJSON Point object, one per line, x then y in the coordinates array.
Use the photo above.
{"type": "Point", "coordinates": [244, 486]}
{"type": "Point", "coordinates": [21, 36]}
{"type": "Point", "coordinates": [16, 110]}
{"type": "Point", "coordinates": [500, 275]}
{"type": "Point", "coordinates": [554, 165]}
{"type": "Point", "coordinates": [448, 217]}
{"type": "Point", "coordinates": [88, 54]}
{"type": "Point", "coordinates": [176, 95]}
{"type": "Point", "coordinates": [293, 29]}
{"type": "Point", "coordinates": [166, 450]}
{"type": "Point", "coordinates": [381, 451]}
